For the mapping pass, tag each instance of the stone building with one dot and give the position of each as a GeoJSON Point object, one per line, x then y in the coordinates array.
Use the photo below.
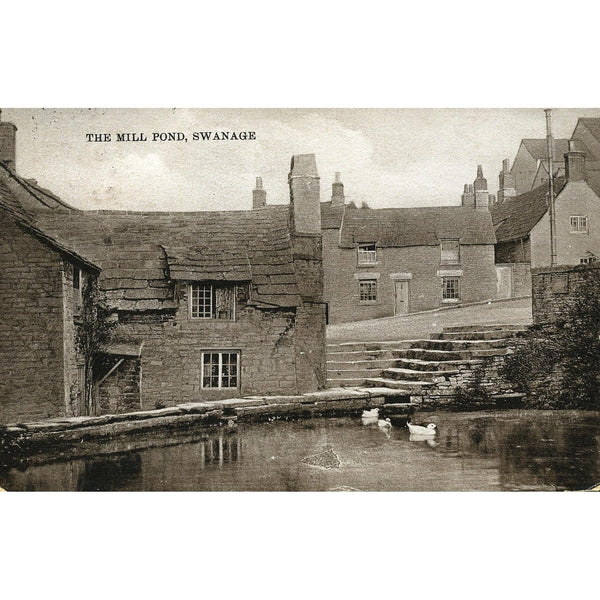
{"type": "Point", "coordinates": [385, 262]}
{"type": "Point", "coordinates": [522, 226]}
{"type": "Point", "coordinates": [209, 304]}
{"type": "Point", "coordinates": [42, 373]}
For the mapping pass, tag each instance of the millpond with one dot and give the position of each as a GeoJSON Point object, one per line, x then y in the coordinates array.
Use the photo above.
{"type": "Point", "coordinates": [496, 450]}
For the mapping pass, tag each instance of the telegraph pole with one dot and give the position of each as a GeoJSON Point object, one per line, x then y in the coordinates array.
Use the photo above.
{"type": "Point", "coordinates": [551, 215]}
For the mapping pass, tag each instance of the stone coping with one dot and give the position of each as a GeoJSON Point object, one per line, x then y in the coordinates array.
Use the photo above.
{"type": "Point", "coordinates": [334, 399]}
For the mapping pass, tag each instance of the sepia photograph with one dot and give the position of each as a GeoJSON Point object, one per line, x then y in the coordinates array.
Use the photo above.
{"type": "Point", "coordinates": [300, 299]}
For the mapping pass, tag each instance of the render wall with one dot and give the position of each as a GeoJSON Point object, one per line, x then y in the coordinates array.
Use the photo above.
{"type": "Point", "coordinates": [576, 198]}
{"type": "Point", "coordinates": [422, 263]}
{"type": "Point", "coordinates": [32, 370]}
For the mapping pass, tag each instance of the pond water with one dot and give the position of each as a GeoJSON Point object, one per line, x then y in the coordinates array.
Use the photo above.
{"type": "Point", "coordinates": [507, 450]}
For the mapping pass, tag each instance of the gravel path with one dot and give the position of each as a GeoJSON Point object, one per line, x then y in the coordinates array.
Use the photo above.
{"type": "Point", "coordinates": [420, 325]}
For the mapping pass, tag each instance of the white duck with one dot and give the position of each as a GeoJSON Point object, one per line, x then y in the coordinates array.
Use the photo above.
{"type": "Point", "coordinates": [384, 424]}
{"type": "Point", "coordinates": [420, 430]}
{"type": "Point", "coordinates": [368, 414]}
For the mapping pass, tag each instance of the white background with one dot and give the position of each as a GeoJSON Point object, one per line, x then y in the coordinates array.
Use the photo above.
{"type": "Point", "coordinates": [304, 54]}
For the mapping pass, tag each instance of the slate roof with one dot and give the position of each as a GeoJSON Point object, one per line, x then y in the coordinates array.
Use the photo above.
{"type": "Point", "coordinates": [538, 148]}
{"type": "Point", "coordinates": [592, 125]}
{"type": "Point", "coordinates": [142, 253]}
{"type": "Point", "coordinates": [515, 217]}
{"type": "Point", "coordinates": [399, 227]}
{"type": "Point", "coordinates": [9, 205]}
{"type": "Point", "coordinates": [332, 216]}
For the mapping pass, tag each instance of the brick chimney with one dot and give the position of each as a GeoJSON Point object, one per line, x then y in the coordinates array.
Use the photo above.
{"type": "Point", "coordinates": [8, 142]}
{"type": "Point", "coordinates": [259, 196]}
{"type": "Point", "coordinates": [574, 164]}
{"type": "Point", "coordinates": [305, 199]}
{"type": "Point", "coordinates": [468, 197]}
{"type": "Point", "coordinates": [506, 182]}
{"type": "Point", "coordinates": [337, 191]}
{"type": "Point", "coordinates": [481, 190]}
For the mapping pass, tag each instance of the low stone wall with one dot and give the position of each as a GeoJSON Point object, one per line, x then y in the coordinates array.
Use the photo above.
{"type": "Point", "coordinates": [70, 437]}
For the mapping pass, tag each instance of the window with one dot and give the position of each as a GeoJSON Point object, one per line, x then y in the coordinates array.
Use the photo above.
{"type": "Point", "coordinates": [587, 260]}
{"type": "Point", "coordinates": [367, 290]}
{"type": "Point", "coordinates": [77, 296]}
{"type": "Point", "coordinates": [211, 301]}
{"type": "Point", "coordinates": [579, 224]}
{"type": "Point", "coordinates": [450, 252]}
{"type": "Point", "coordinates": [450, 288]}
{"type": "Point", "coordinates": [367, 254]}
{"type": "Point", "coordinates": [220, 370]}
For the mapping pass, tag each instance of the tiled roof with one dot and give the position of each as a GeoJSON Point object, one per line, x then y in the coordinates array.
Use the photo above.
{"type": "Point", "coordinates": [399, 227]}
{"type": "Point", "coordinates": [331, 216]}
{"type": "Point", "coordinates": [141, 253]}
{"type": "Point", "coordinates": [515, 217]}
{"type": "Point", "coordinates": [538, 148]}
{"type": "Point", "coordinates": [592, 125]}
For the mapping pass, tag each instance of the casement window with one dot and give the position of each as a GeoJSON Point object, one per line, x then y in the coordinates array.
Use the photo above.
{"type": "Point", "coordinates": [579, 223]}
{"type": "Point", "coordinates": [77, 291]}
{"type": "Point", "coordinates": [450, 288]}
{"type": "Point", "coordinates": [450, 252]}
{"type": "Point", "coordinates": [220, 370]}
{"type": "Point", "coordinates": [367, 290]}
{"type": "Point", "coordinates": [367, 254]}
{"type": "Point", "coordinates": [212, 301]}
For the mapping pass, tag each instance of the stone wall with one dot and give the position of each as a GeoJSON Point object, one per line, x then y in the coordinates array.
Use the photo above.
{"type": "Point", "coordinates": [171, 359]}
{"type": "Point", "coordinates": [420, 263]}
{"type": "Point", "coordinates": [553, 290]}
{"type": "Point", "coordinates": [120, 391]}
{"type": "Point", "coordinates": [32, 375]}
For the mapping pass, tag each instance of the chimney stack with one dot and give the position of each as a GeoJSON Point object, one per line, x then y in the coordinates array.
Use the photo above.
{"type": "Point", "coordinates": [506, 182]}
{"type": "Point", "coordinates": [468, 197]}
{"type": "Point", "coordinates": [481, 190]}
{"type": "Point", "coordinates": [574, 163]}
{"type": "Point", "coordinates": [259, 196]}
{"type": "Point", "coordinates": [337, 191]}
{"type": "Point", "coordinates": [8, 143]}
{"type": "Point", "coordinates": [305, 198]}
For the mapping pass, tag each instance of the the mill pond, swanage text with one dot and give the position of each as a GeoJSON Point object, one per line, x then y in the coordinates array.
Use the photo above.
{"type": "Point", "coordinates": [500, 450]}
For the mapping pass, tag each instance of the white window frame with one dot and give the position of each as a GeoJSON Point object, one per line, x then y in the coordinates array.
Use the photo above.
{"type": "Point", "coordinates": [211, 312]}
{"type": "Point", "coordinates": [220, 353]}
{"type": "Point", "coordinates": [451, 261]}
{"type": "Point", "coordinates": [367, 257]}
{"type": "Point", "coordinates": [587, 260]}
{"type": "Point", "coordinates": [578, 224]}
{"type": "Point", "coordinates": [455, 298]}
{"type": "Point", "coordinates": [373, 286]}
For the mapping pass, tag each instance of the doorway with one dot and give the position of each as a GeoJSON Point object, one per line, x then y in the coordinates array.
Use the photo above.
{"type": "Point", "coordinates": [503, 281]}
{"type": "Point", "coordinates": [401, 297]}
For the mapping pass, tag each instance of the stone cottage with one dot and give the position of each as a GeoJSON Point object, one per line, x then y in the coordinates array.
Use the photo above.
{"type": "Point", "coordinates": [42, 373]}
{"type": "Point", "coordinates": [209, 304]}
{"type": "Point", "coordinates": [522, 226]}
{"type": "Point", "coordinates": [385, 262]}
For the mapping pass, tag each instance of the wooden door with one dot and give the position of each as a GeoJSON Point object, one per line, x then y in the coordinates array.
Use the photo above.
{"type": "Point", "coordinates": [504, 282]}
{"type": "Point", "coordinates": [401, 294]}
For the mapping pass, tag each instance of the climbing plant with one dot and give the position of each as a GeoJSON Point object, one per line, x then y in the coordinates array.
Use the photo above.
{"type": "Point", "coordinates": [94, 332]}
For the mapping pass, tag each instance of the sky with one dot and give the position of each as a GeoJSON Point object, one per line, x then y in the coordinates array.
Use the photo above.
{"type": "Point", "coordinates": [387, 157]}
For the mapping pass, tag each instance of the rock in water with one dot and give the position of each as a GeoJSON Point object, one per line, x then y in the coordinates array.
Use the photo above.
{"type": "Point", "coordinates": [325, 460]}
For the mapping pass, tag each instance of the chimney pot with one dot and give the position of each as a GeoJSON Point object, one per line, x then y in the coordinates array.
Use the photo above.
{"type": "Point", "coordinates": [259, 196]}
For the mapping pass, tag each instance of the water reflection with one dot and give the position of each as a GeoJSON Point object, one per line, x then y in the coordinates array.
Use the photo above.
{"type": "Point", "coordinates": [509, 450]}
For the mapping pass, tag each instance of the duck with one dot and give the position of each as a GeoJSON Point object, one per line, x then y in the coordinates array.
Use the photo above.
{"type": "Point", "coordinates": [421, 430]}
{"type": "Point", "coordinates": [368, 414]}
{"type": "Point", "coordinates": [384, 424]}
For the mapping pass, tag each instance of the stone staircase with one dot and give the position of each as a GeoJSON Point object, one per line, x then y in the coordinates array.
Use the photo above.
{"type": "Point", "coordinates": [410, 367]}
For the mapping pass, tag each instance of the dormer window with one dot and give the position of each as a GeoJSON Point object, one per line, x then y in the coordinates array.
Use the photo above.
{"type": "Point", "coordinates": [367, 254]}
{"type": "Point", "coordinates": [450, 252]}
{"type": "Point", "coordinates": [212, 301]}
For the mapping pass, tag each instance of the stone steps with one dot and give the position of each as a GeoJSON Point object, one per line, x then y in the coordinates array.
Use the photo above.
{"type": "Point", "coordinates": [408, 388]}
{"type": "Point", "coordinates": [415, 375]}
{"type": "Point", "coordinates": [494, 327]}
{"type": "Point", "coordinates": [435, 365]}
